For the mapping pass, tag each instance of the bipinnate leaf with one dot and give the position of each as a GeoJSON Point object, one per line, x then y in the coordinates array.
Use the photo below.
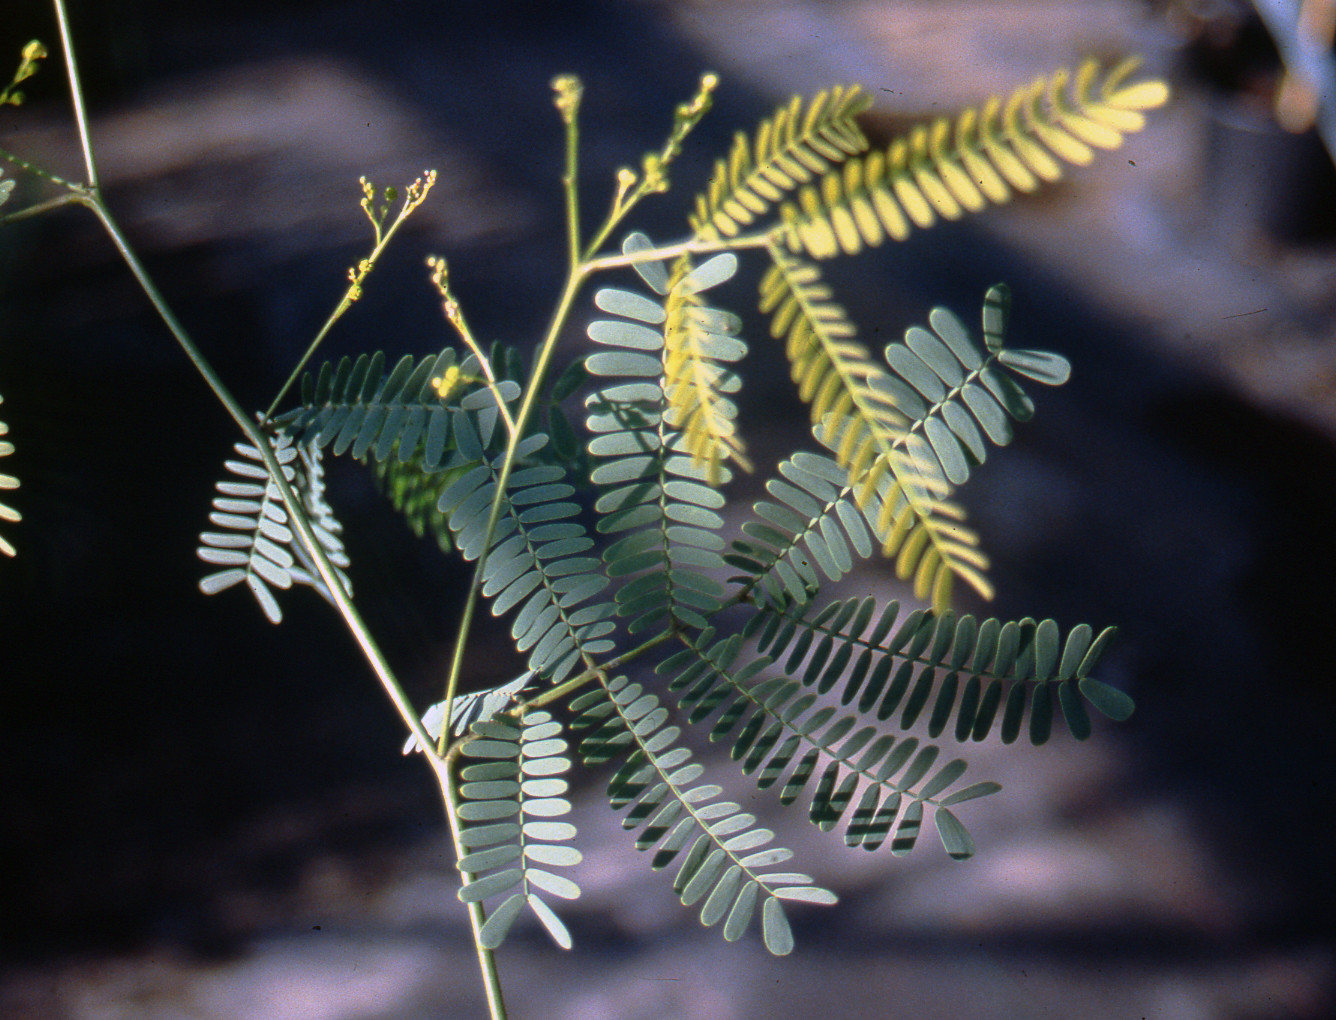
{"type": "Point", "coordinates": [794, 742]}
{"type": "Point", "coordinates": [855, 406]}
{"type": "Point", "coordinates": [801, 140]}
{"type": "Point", "coordinates": [537, 563]}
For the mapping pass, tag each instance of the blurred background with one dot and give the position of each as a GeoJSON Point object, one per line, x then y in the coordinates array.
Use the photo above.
{"type": "Point", "coordinates": [205, 816]}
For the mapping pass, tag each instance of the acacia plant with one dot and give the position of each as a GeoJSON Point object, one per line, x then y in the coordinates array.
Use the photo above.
{"type": "Point", "coordinates": [642, 605]}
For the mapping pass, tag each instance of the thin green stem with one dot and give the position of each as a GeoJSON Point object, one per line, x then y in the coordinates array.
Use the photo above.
{"type": "Point", "coordinates": [334, 316]}
{"type": "Point", "coordinates": [621, 205]}
{"type": "Point", "coordinates": [76, 95]}
{"type": "Point", "coordinates": [260, 441]}
{"type": "Point", "coordinates": [493, 386]}
{"type": "Point", "coordinates": [33, 168]}
{"type": "Point", "coordinates": [491, 979]}
{"type": "Point", "coordinates": [569, 89]}
{"type": "Point", "coordinates": [526, 410]}
{"type": "Point", "coordinates": [567, 687]}
{"type": "Point", "coordinates": [694, 246]}
{"type": "Point", "coordinates": [73, 198]}
{"type": "Point", "coordinates": [357, 275]}
{"type": "Point", "coordinates": [454, 315]}
{"type": "Point", "coordinates": [92, 199]}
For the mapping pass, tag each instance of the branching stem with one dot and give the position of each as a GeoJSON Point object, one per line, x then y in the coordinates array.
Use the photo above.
{"type": "Point", "coordinates": [33, 168]}
{"type": "Point", "coordinates": [90, 196]}
{"type": "Point", "coordinates": [51, 204]}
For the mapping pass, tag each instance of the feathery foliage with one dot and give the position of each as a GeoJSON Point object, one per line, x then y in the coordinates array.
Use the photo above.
{"type": "Point", "coordinates": [258, 546]}
{"type": "Point", "coordinates": [833, 705]}
{"type": "Point", "coordinates": [536, 563]}
{"type": "Point", "coordinates": [513, 792]}
{"type": "Point", "coordinates": [652, 492]}
{"type": "Point", "coordinates": [355, 406]}
{"type": "Point", "coordinates": [903, 436]}
{"type": "Point", "coordinates": [857, 417]}
{"type": "Point", "coordinates": [947, 168]}
{"type": "Point", "coordinates": [779, 731]}
{"type": "Point", "coordinates": [724, 867]}
{"type": "Point", "coordinates": [610, 550]}
{"type": "Point", "coordinates": [958, 665]}
{"type": "Point", "coordinates": [801, 140]}
{"type": "Point", "coordinates": [696, 339]}
{"type": "Point", "coordinates": [7, 513]}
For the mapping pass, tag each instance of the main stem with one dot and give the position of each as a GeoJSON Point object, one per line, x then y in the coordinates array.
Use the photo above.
{"type": "Point", "coordinates": [491, 978]}
{"type": "Point", "coordinates": [90, 196]}
{"type": "Point", "coordinates": [76, 96]}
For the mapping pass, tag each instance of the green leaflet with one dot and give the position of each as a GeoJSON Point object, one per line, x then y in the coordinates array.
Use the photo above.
{"type": "Point", "coordinates": [950, 167]}
{"type": "Point", "coordinates": [7, 513]}
{"type": "Point", "coordinates": [535, 564]}
{"type": "Point", "coordinates": [811, 523]}
{"type": "Point", "coordinates": [795, 743]}
{"type": "Point", "coordinates": [414, 492]}
{"type": "Point", "coordinates": [717, 846]}
{"type": "Point", "coordinates": [960, 676]}
{"type": "Point", "coordinates": [480, 706]}
{"type": "Point", "coordinates": [355, 406]}
{"type": "Point", "coordinates": [798, 142]}
{"type": "Point", "coordinates": [953, 390]}
{"type": "Point", "coordinates": [699, 342]}
{"type": "Point", "coordinates": [657, 491]}
{"type": "Point", "coordinates": [256, 546]}
{"type": "Point", "coordinates": [510, 795]}
{"type": "Point", "coordinates": [856, 414]}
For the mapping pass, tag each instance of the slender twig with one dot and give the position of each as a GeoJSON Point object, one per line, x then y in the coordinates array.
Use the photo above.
{"type": "Point", "coordinates": [491, 978]}
{"type": "Point", "coordinates": [356, 275]}
{"type": "Point", "coordinates": [260, 441]}
{"type": "Point", "coordinates": [694, 246]}
{"type": "Point", "coordinates": [455, 316]}
{"type": "Point", "coordinates": [653, 178]}
{"type": "Point", "coordinates": [622, 202]}
{"type": "Point", "coordinates": [557, 693]}
{"type": "Point", "coordinates": [33, 168]}
{"type": "Point", "coordinates": [76, 95]}
{"type": "Point", "coordinates": [39, 208]}
{"type": "Point", "coordinates": [568, 92]}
